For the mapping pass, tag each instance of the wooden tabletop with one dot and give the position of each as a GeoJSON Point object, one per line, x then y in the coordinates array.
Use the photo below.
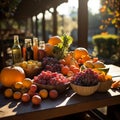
{"type": "Point", "coordinates": [67, 103]}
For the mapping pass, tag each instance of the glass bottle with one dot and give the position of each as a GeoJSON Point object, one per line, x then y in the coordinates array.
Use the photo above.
{"type": "Point", "coordinates": [24, 49]}
{"type": "Point", "coordinates": [29, 50]}
{"type": "Point", "coordinates": [16, 50]}
{"type": "Point", "coordinates": [35, 48]}
{"type": "Point", "coordinates": [41, 50]}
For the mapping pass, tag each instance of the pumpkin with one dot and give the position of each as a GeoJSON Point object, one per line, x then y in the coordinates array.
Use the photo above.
{"type": "Point", "coordinates": [10, 75]}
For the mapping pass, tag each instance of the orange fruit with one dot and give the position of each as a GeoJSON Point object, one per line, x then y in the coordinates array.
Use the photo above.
{"type": "Point", "coordinates": [85, 58]}
{"type": "Point", "coordinates": [8, 92]}
{"type": "Point", "coordinates": [54, 40]}
{"type": "Point", "coordinates": [70, 73]}
{"type": "Point", "coordinates": [76, 70]}
{"type": "Point", "coordinates": [48, 49]}
{"type": "Point", "coordinates": [95, 59]}
{"type": "Point", "coordinates": [79, 52]}
{"type": "Point", "coordinates": [62, 61]}
{"type": "Point", "coordinates": [64, 70]}
{"type": "Point", "coordinates": [74, 62]}
{"type": "Point", "coordinates": [72, 67]}
{"type": "Point", "coordinates": [18, 85]}
{"type": "Point", "coordinates": [43, 93]}
{"type": "Point", "coordinates": [17, 95]}
{"type": "Point", "coordinates": [27, 82]}
{"type": "Point", "coordinates": [68, 59]}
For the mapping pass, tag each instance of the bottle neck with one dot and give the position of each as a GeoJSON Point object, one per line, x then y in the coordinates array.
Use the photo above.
{"type": "Point", "coordinates": [35, 42]}
{"type": "Point", "coordinates": [16, 40]}
{"type": "Point", "coordinates": [41, 45]}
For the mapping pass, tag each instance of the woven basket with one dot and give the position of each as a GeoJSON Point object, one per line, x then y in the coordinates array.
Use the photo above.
{"type": "Point", "coordinates": [105, 86]}
{"type": "Point", "coordinates": [59, 88]}
{"type": "Point", "coordinates": [84, 90]}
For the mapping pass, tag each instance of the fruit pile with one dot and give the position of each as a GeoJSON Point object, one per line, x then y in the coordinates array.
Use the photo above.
{"type": "Point", "coordinates": [28, 91]}
{"type": "Point", "coordinates": [51, 64]}
{"type": "Point", "coordinates": [31, 67]}
{"type": "Point", "coordinates": [86, 77]}
{"type": "Point", "coordinates": [51, 78]}
{"type": "Point", "coordinates": [59, 67]}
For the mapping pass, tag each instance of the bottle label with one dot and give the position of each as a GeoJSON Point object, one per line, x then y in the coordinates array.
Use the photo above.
{"type": "Point", "coordinates": [16, 56]}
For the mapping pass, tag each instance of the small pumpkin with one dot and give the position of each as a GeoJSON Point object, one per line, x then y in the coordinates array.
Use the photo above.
{"type": "Point", "coordinates": [10, 75]}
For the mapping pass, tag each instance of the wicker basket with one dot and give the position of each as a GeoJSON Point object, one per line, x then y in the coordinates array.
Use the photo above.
{"type": "Point", "coordinates": [32, 73]}
{"type": "Point", "coordinates": [59, 88]}
{"type": "Point", "coordinates": [105, 86]}
{"type": "Point", "coordinates": [84, 90]}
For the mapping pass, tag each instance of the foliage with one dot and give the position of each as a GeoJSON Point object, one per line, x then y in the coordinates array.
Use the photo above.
{"type": "Point", "coordinates": [110, 11]}
{"type": "Point", "coordinates": [105, 45]}
{"type": "Point", "coordinates": [61, 49]}
{"type": "Point", "coordinates": [8, 7]}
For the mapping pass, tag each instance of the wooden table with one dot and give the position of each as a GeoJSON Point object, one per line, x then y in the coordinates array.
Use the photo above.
{"type": "Point", "coordinates": [65, 104]}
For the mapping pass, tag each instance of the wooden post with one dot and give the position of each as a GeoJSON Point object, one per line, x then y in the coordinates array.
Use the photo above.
{"type": "Point", "coordinates": [83, 23]}
{"type": "Point", "coordinates": [43, 27]}
{"type": "Point", "coordinates": [55, 22]}
{"type": "Point", "coordinates": [32, 26]}
{"type": "Point", "coordinates": [36, 26]}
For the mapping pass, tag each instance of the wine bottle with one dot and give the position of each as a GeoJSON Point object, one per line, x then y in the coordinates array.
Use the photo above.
{"type": "Point", "coordinates": [16, 50]}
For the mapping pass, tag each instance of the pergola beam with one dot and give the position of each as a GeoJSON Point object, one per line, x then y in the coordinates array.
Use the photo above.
{"type": "Point", "coordinates": [83, 23]}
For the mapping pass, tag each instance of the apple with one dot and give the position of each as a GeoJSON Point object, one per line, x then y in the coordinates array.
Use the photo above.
{"type": "Point", "coordinates": [53, 94]}
{"type": "Point", "coordinates": [31, 93]}
{"type": "Point", "coordinates": [36, 99]}
{"type": "Point", "coordinates": [33, 88]}
{"type": "Point", "coordinates": [25, 97]}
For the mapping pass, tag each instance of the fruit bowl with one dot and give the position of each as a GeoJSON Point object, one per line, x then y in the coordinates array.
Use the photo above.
{"type": "Point", "coordinates": [84, 90]}
{"type": "Point", "coordinates": [60, 88]}
{"type": "Point", "coordinates": [104, 86]}
{"type": "Point", "coordinates": [30, 67]}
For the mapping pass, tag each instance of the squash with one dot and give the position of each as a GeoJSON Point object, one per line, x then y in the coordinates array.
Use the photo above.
{"type": "Point", "coordinates": [11, 74]}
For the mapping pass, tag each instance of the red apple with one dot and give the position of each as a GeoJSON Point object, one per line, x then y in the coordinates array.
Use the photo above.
{"type": "Point", "coordinates": [33, 88]}
{"type": "Point", "coordinates": [25, 97]}
{"type": "Point", "coordinates": [53, 94]}
{"type": "Point", "coordinates": [31, 93]}
{"type": "Point", "coordinates": [36, 100]}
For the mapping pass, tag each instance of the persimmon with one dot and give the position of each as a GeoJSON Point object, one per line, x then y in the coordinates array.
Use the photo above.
{"type": "Point", "coordinates": [68, 59]}
{"type": "Point", "coordinates": [62, 61]}
{"type": "Point", "coordinates": [76, 70]}
{"type": "Point", "coordinates": [64, 70]}
{"type": "Point", "coordinates": [54, 40]}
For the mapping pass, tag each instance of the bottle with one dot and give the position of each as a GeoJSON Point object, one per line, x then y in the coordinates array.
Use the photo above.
{"type": "Point", "coordinates": [41, 50]}
{"type": "Point", "coordinates": [29, 50]}
{"type": "Point", "coordinates": [24, 49]}
{"type": "Point", "coordinates": [35, 48]}
{"type": "Point", "coordinates": [16, 50]}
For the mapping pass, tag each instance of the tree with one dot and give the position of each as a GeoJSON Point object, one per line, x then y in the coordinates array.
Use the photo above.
{"type": "Point", "coordinates": [110, 13]}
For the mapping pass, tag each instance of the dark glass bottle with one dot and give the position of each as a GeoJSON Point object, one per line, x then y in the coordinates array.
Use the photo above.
{"type": "Point", "coordinates": [29, 51]}
{"type": "Point", "coordinates": [41, 50]}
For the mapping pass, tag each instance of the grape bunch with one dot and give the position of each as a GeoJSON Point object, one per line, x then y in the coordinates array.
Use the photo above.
{"type": "Point", "coordinates": [51, 64]}
{"type": "Point", "coordinates": [87, 77]}
{"type": "Point", "coordinates": [50, 78]}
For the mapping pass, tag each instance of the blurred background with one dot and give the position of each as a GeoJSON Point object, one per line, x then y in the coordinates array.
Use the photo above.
{"type": "Point", "coordinates": [93, 24]}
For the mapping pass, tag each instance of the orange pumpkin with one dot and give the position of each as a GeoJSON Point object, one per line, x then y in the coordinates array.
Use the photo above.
{"type": "Point", "coordinates": [10, 75]}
